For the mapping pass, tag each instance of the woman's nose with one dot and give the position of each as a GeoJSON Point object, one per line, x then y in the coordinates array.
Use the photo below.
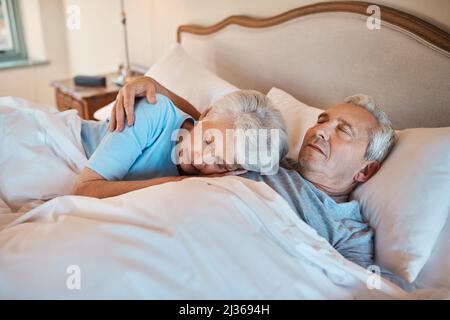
{"type": "Point", "coordinates": [197, 158]}
{"type": "Point", "coordinates": [208, 159]}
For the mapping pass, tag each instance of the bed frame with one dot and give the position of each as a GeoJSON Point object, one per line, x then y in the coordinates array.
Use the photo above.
{"type": "Point", "coordinates": [324, 52]}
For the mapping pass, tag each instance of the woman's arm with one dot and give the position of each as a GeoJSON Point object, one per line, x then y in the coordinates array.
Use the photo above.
{"type": "Point", "coordinates": [181, 103]}
{"type": "Point", "coordinates": [90, 184]}
{"type": "Point", "coordinates": [143, 87]}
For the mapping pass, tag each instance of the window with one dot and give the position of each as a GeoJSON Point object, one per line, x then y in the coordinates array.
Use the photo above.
{"type": "Point", "coordinates": [12, 44]}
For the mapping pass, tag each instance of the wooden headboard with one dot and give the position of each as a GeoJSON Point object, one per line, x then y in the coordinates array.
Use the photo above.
{"type": "Point", "coordinates": [323, 52]}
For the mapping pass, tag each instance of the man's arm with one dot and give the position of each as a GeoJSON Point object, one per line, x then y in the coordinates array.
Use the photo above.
{"type": "Point", "coordinates": [90, 184]}
{"type": "Point", "coordinates": [143, 87]}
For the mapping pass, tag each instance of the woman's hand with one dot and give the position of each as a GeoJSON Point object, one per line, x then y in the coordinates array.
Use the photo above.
{"type": "Point", "coordinates": [124, 106]}
{"type": "Point", "coordinates": [143, 87]}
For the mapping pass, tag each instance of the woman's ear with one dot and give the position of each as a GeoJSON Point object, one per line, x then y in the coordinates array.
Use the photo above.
{"type": "Point", "coordinates": [368, 171]}
{"type": "Point", "coordinates": [204, 113]}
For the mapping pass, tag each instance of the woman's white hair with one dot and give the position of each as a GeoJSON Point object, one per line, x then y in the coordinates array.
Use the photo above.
{"type": "Point", "coordinates": [381, 139]}
{"type": "Point", "coordinates": [250, 112]}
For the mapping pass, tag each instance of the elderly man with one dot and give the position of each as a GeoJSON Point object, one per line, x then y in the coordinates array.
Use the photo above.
{"type": "Point", "coordinates": [345, 148]}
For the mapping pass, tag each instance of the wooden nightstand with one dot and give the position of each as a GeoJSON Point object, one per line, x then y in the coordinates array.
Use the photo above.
{"type": "Point", "coordinates": [86, 100]}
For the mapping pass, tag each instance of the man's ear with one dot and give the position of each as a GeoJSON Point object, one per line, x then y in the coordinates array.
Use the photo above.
{"type": "Point", "coordinates": [204, 113]}
{"type": "Point", "coordinates": [368, 171]}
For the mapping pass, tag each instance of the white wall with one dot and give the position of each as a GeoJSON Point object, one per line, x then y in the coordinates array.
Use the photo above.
{"type": "Point", "coordinates": [46, 39]}
{"type": "Point", "coordinates": [32, 25]}
{"type": "Point", "coordinates": [96, 47]}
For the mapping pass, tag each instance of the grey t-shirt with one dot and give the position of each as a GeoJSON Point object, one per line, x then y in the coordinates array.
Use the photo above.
{"type": "Point", "coordinates": [340, 223]}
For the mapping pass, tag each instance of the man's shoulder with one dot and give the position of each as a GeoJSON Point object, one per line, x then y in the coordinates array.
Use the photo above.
{"type": "Point", "coordinates": [285, 180]}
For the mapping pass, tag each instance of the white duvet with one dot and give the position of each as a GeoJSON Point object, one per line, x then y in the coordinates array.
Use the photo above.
{"type": "Point", "coordinates": [221, 238]}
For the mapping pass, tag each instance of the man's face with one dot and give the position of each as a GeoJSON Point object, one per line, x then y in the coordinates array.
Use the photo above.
{"type": "Point", "coordinates": [206, 149]}
{"type": "Point", "coordinates": [334, 148]}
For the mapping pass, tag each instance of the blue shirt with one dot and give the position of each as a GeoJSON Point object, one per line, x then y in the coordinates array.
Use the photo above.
{"type": "Point", "coordinates": [142, 151]}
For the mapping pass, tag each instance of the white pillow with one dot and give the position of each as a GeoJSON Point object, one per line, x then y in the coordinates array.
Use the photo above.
{"type": "Point", "coordinates": [297, 116]}
{"type": "Point", "coordinates": [186, 77]}
{"type": "Point", "coordinates": [408, 200]}
{"type": "Point", "coordinates": [105, 112]}
{"type": "Point", "coordinates": [436, 272]}
{"type": "Point", "coordinates": [189, 79]}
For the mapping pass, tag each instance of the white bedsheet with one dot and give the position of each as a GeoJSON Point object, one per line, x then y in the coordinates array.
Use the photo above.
{"type": "Point", "coordinates": [199, 238]}
{"type": "Point", "coordinates": [40, 152]}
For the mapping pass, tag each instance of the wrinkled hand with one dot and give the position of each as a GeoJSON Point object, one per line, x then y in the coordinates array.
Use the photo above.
{"type": "Point", "coordinates": [124, 106]}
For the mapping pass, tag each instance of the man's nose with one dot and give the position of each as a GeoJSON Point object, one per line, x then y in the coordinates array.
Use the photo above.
{"type": "Point", "coordinates": [322, 133]}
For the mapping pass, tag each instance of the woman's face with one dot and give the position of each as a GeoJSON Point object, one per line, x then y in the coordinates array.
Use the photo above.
{"type": "Point", "coordinates": [206, 149]}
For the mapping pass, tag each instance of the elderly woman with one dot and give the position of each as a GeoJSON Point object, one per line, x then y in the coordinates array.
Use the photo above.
{"type": "Point", "coordinates": [165, 144]}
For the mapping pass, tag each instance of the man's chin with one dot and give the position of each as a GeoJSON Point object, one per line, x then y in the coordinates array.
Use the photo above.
{"type": "Point", "coordinates": [310, 163]}
{"type": "Point", "coordinates": [309, 156]}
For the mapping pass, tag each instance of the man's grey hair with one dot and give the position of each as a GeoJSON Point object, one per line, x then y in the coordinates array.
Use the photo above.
{"type": "Point", "coordinates": [250, 110]}
{"type": "Point", "coordinates": [381, 139]}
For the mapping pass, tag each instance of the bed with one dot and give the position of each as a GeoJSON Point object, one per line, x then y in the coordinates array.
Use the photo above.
{"type": "Point", "coordinates": [166, 242]}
